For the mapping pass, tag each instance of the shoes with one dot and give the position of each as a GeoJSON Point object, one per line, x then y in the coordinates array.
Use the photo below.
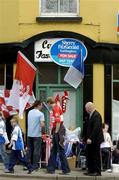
{"type": "Point", "coordinates": [50, 172]}
{"type": "Point", "coordinates": [109, 170]}
{"type": "Point", "coordinates": [65, 173]}
{"type": "Point", "coordinates": [30, 171]}
{"type": "Point", "coordinates": [9, 171]}
{"type": "Point", "coordinates": [94, 174]}
{"type": "Point", "coordinates": [87, 173]}
{"type": "Point", "coordinates": [25, 168]}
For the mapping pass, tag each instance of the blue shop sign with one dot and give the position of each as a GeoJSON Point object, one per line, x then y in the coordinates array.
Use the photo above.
{"type": "Point", "coordinates": [64, 51]}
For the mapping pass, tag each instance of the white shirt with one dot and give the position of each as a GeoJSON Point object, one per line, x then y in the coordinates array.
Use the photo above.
{"type": "Point", "coordinates": [91, 113]}
{"type": "Point", "coordinates": [73, 135]}
{"type": "Point", "coordinates": [107, 140]}
{"type": "Point", "coordinates": [35, 117]}
{"type": "Point", "coordinates": [3, 133]}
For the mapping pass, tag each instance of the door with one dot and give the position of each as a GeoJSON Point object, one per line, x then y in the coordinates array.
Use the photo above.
{"type": "Point", "coordinates": [73, 116]}
{"type": "Point", "coordinates": [49, 82]}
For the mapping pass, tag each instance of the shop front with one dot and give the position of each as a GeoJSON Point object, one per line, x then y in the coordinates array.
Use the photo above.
{"type": "Point", "coordinates": [97, 82]}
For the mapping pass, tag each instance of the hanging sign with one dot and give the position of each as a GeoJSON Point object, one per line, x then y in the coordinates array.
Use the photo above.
{"type": "Point", "coordinates": [66, 50]}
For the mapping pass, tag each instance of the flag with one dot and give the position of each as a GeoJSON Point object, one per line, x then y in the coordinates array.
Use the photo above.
{"type": "Point", "coordinates": [22, 86]}
{"type": "Point", "coordinates": [75, 73]}
{"type": "Point", "coordinates": [9, 110]}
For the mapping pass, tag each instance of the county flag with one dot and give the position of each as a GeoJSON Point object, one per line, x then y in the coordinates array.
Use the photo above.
{"type": "Point", "coordinates": [23, 84]}
{"type": "Point", "coordinates": [75, 73]}
{"type": "Point", "coordinates": [8, 110]}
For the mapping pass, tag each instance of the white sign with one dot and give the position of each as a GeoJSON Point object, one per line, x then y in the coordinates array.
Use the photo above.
{"type": "Point", "coordinates": [42, 50]}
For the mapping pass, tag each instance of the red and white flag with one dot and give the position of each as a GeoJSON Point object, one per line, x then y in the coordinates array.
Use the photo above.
{"type": "Point", "coordinates": [9, 110]}
{"type": "Point", "coordinates": [23, 83]}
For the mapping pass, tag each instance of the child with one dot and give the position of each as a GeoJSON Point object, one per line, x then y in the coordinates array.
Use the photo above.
{"type": "Point", "coordinates": [17, 146]}
{"type": "Point", "coordinates": [57, 119]}
{"type": "Point", "coordinates": [3, 140]}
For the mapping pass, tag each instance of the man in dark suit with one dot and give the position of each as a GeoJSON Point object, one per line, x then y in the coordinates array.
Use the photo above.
{"type": "Point", "coordinates": [94, 139]}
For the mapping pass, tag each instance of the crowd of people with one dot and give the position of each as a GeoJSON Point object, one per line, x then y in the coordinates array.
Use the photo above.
{"type": "Point", "coordinates": [99, 149]}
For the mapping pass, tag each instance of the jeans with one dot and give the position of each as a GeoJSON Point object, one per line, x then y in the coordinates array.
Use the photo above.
{"type": "Point", "coordinates": [52, 160]}
{"type": "Point", "coordinates": [17, 155]}
{"type": "Point", "coordinates": [34, 147]}
{"type": "Point", "coordinates": [4, 155]}
{"type": "Point", "coordinates": [106, 158]}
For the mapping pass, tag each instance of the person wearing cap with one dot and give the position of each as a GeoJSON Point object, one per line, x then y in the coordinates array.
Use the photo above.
{"type": "Point", "coordinates": [58, 133]}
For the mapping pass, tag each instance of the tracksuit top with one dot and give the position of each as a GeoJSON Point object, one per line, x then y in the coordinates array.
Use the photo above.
{"type": "Point", "coordinates": [17, 138]}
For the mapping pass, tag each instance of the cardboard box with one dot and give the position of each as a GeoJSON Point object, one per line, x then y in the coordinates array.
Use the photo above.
{"type": "Point", "coordinates": [72, 162]}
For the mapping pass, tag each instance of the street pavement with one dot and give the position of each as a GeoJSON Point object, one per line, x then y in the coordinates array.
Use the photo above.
{"type": "Point", "coordinates": [41, 174]}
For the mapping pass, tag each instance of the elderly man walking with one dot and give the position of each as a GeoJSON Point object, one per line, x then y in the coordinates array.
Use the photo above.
{"type": "Point", "coordinates": [94, 139]}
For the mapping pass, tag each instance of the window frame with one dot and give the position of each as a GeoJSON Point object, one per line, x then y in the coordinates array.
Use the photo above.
{"type": "Point", "coordinates": [59, 14]}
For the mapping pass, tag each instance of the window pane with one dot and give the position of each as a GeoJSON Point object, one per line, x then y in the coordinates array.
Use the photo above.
{"type": "Point", "coordinates": [49, 6]}
{"type": "Point", "coordinates": [116, 71]}
{"type": "Point", "coordinates": [116, 91]}
{"type": "Point", "coordinates": [48, 73]}
{"type": "Point", "coordinates": [68, 6]}
{"type": "Point", "coordinates": [43, 95]}
{"type": "Point", "coordinates": [63, 73]}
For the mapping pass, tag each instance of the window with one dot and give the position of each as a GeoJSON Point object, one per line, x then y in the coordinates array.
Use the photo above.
{"type": "Point", "coordinates": [64, 8]}
{"type": "Point", "coordinates": [51, 73]}
{"type": "Point", "coordinates": [48, 73]}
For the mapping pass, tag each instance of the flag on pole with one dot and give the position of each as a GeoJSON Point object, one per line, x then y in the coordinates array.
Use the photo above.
{"type": "Point", "coordinates": [75, 73]}
{"type": "Point", "coordinates": [23, 82]}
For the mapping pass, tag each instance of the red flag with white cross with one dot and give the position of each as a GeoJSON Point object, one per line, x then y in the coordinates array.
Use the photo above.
{"type": "Point", "coordinates": [23, 83]}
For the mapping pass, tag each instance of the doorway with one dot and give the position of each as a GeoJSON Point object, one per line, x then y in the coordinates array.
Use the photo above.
{"type": "Point", "coordinates": [49, 82]}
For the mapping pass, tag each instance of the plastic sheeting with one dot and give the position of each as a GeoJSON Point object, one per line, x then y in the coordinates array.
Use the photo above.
{"type": "Point", "coordinates": [115, 119]}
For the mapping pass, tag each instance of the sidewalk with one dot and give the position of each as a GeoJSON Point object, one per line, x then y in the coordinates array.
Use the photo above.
{"type": "Point", "coordinates": [42, 175]}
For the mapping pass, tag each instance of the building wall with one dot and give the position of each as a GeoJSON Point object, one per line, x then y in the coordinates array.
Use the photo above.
{"type": "Point", "coordinates": [18, 22]}
{"type": "Point", "coordinates": [9, 26]}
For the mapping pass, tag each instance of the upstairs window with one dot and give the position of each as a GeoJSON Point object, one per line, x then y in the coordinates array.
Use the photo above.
{"type": "Point", "coordinates": [59, 8]}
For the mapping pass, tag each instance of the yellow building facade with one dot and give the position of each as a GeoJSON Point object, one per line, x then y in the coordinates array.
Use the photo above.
{"type": "Point", "coordinates": [99, 23]}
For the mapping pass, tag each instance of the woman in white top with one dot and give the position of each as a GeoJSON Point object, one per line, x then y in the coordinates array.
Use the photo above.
{"type": "Point", "coordinates": [106, 147]}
